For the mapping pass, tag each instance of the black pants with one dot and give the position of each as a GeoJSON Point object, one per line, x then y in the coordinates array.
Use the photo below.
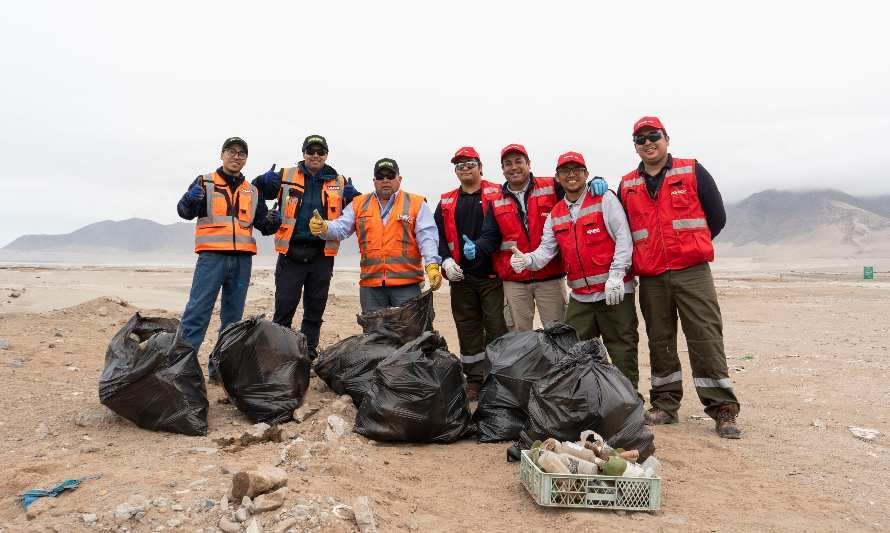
{"type": "Point", "coordinates": [311, 281]}
{"type": "Point", "coordinates": [478, 308]}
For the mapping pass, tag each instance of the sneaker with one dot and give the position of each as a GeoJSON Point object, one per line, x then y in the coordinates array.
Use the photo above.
{"type": "Point", "coordinates": [657, 416]}
{"type": "Point", "coordinates": [726, 426]}
{"type": "Point", "coordinates": [473, 392]}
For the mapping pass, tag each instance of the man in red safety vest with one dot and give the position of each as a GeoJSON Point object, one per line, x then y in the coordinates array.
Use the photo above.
{"type": "Point", "coordinates": [592, 235]}
{"type": "Point", "coordinates": [477, 295]}
{"type": "Point", "coordinates": [674, 209]}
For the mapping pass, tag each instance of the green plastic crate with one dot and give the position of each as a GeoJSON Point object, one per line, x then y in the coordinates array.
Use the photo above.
{"type": "Point", "coordinates": [589, 492]}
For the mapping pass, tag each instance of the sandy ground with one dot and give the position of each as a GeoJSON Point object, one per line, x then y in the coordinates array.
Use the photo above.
{"type": "Point", "coordinates": [809, 354]}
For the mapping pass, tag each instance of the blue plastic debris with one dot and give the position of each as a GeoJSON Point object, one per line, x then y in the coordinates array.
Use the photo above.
{"type": "Point", "coordinates": [30, 496]}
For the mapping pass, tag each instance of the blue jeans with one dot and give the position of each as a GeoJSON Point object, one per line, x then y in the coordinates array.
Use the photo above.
{"type": "Point", "coordinates": [374, 298]}
{"type": "Point", "coordinates": [212, 272]}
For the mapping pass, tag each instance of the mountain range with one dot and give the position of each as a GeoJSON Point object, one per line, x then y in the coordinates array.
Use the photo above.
{"type": "Point", "coordinates": [821, 223]}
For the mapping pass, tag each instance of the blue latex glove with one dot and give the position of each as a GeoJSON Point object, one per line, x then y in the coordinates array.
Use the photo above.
{"type": "Point", "coordinates": [349, 191]}
{"type": "Point", "coordinates": [195, 194]}
{"type": "Point", "coordinates": [270, 179]}
{"type": "Point", "coordinates": [598, 186]}
{"type": "Point", "coordinates": [469, 248]}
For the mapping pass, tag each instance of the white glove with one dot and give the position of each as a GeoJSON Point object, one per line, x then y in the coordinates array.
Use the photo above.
{"type": "Point", "coordinates": [519, 261]}
{"type": "Point", "coordinates": [614, 290]}
{"type": "Point", "coordinates": [452, 270]}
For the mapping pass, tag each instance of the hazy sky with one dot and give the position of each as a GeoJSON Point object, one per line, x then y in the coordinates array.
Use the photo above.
{"type": "Point", "coordinates": [109, 109]}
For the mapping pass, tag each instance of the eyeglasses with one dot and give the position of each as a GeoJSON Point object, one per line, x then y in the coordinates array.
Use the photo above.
{"type": "Point", "coordinates": [235, 154]}
{"type": "Point", "coordinates": [387, 176]}
{"type": "Point", "coordinates": [652, 136]}
{"type": "Point", "coordinates": [568, 171]}
{"type": "Point", "coordinates": [466, 165]}
{"type": "Point", "coordinates": [316, 151]}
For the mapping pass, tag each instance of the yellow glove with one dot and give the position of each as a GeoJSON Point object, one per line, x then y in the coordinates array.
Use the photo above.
{"type": "Point", "coordinates": [435, 275]}
{"type": "Point", "coordinates": [317, 225]}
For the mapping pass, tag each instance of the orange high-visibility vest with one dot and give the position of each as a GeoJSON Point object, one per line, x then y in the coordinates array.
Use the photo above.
{"type": "Point", "coordinates": [228, 225]}
{"type": "Point", "coordinates": [390, 255]}
{"type": "Point", "coordinates": [290, 198]}
{"type": "Point", "coordinates": [489, 193]}
{"type": "Point", "coordinates": [671, 231]}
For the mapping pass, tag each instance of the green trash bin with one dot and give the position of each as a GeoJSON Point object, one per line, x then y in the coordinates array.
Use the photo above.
{"type": "Point", "coordinates": [868, 273]}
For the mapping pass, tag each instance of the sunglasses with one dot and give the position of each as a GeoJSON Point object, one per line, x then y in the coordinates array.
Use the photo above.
{"type": "Point", "coordinates": [653, 136]}
{"type": "Point", "coordinates": [466, 165]}
{"type": "Point", "coordinates": [316, 151]}
{"type": "Point", "coordinates": [381, 177]}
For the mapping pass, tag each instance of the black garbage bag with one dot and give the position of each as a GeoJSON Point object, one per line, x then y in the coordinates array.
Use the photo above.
{"type": "Point", "coordinates": [405, 322]}
{"type": "Point", "coordinates": [264, 368]}
{"type": "Point", "coordinates": [417, 394]}
{"type": "Point", "coordinates": [153, 379]}
{"type": "Point", "coordinates": [348, 365]}
{"type": "Point", "coordinates": [584, 391]}
{"type": "Point", "coordinates": [516, 361]}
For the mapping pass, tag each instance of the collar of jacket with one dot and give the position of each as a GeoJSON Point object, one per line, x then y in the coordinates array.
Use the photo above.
{"type": "Point", "coordinates": [669, 164]}
{"type": "Point", "coordinates": [231, 181]}
{"type": "Point", "coordinates": [327, 172]}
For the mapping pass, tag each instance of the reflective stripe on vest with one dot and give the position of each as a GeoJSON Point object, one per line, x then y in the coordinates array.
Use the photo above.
{"type": "Point", "coordinates": [589, 280]}
{"type": "Point", "coordinates": [639, 235]}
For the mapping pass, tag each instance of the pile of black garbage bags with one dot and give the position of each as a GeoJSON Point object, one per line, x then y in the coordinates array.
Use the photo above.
{"type": "Point", "coordinates": [154, 379]}
{"type": "Point", "coordinates": [545, 383]}
{"type": "Point", "coordinates": [399, 373]}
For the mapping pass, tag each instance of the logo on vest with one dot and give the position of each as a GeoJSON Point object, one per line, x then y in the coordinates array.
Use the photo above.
{"type": "Point", "coordinates": [333, 187]}
{"type": "Point", "coordinates": [676, 192]}
{"type": "Point", "coordinates": [592, 231]}
{"type": "Point", "coordinates": [405, 218]}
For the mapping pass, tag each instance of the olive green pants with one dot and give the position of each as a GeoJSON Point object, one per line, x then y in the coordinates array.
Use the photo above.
{"type": "Point", "coordinates": [477, 305]}
{"type": "Point", "coordinates": [617, 324]}
{"type": "Point", "coordinates": [689, 294]}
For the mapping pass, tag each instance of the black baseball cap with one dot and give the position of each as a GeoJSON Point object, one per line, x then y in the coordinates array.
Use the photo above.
{"type": "Point", "coordinates": [234, 140]}
{"type": "Point", "coordinates": [314, 139]}
{"type": "Point", "coordinates": [386, 164]}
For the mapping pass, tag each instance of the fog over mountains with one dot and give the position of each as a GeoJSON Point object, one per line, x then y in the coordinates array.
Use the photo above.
{"type": "Point", "coordinates": [817, 223]}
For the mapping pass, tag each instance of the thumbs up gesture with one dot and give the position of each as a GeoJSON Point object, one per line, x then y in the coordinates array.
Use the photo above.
{"type": "Point", "coordinates": [469, 248]}
{"type": "Point", "coordinates": [317, 225]}
{"type": "Point", "coordinates": [349, 190]}
{"type": "Point", "coordinates": [519, 261]}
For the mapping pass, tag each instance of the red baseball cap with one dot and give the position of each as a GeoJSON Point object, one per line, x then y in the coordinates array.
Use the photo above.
{"type": "Point", "coordinates": [465, 151]}
{"type": "Point", "coordinates": [513, 148]}
{"type": "Point", "coordinates": [648, 122]}
{"type": "Point", "coordinates": [571, 157]}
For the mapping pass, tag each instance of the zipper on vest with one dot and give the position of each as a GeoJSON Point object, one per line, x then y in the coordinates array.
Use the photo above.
{"type": "Point", "coordinates": [577, 251]}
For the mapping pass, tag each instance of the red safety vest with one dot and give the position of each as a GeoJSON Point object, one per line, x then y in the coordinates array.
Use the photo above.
{"type": "Point", "coordinates": [541, 200]}
{"type": "Point", "coordinates": [448, 205]}
{"type": "Point", "coordinates": [290, 198]}
{"type": "Point", "coordinates": [228, 226]}
{"type": "Point", "coordinates": [585, 244]}
{"type": "Point", "coordinates": [670, 232]}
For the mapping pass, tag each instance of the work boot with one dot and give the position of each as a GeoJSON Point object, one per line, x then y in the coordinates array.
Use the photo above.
{"type": "Point", "coordinates": [313, 353]}
{"type": "Point", "coordinates": [657, 416]}
{"type": "Point", "coordinates": [726, 427]}
{"type": "Point", "coordinates": [473, 392]}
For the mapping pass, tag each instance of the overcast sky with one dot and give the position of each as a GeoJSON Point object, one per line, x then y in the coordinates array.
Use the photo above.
{"type": "Point", "coordinates": [109, 109]}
